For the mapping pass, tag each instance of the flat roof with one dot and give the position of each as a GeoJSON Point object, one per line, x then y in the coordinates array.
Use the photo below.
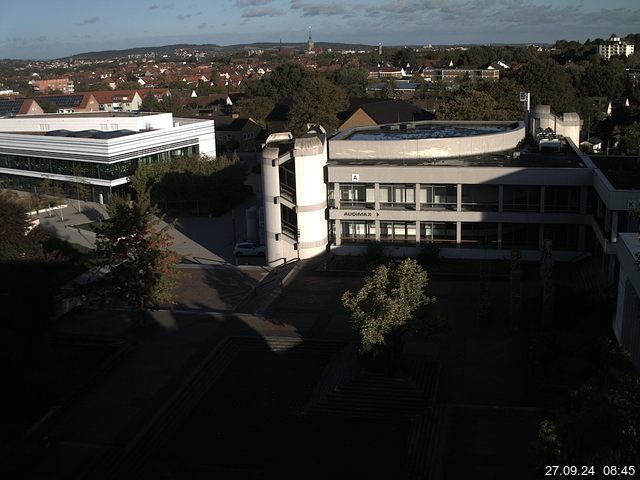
{"type": "Point", "coordinates": [622, 171]}
{"type": "Point", "coordinates": [88, 115]}
{"type": "Point", "coordinates": [527, 155]}
{"type": "Point", "coordinates": [425, 129]}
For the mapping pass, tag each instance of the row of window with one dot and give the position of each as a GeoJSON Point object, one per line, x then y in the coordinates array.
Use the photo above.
{"type": "Point", "coordinates": [482, 235]}
{"type": "Point", "coordinates": [103, 171]}
{"type": "Point", "coordinates": [515, 198]}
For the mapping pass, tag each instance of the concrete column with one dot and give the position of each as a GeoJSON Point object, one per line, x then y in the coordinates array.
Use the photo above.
{"type": "Point", "coordinates": [611, 269]}
{"type": "Point", "coordinates": [500, 230]}
{"type": "Point", "coordinates": [418, 231]}
{"type": "Point", "coordinates": [338, 233]}
{"type": "Point", "coordinates": [542, 191]}
{"type": "Point", "coordinates": [459, 200]}
{"type": "Point", "coordinates": [336, 194]}
{"type": "Point", "coordinates": [583, 200]}
{"type": "Point", "coordinates": [500, 200]}
{"type": "Point", "coordinates": [607, 219]}
{"type": "Point", "coordinates": [417, 197]}
{"type": "Point", "coordinates": [614, 226]}
{"type": "Point", "coordinates": [377, 223]}
{"type": "Point", "coordinates": [459, 232]}
{"type": "Point", "coordinates": [376, 198]}
{"type": "Point", "coordinates": [599, 208]}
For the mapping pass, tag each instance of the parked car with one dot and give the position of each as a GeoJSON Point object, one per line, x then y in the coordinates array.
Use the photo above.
{"type": "Point", "coordinates": [248, 248]}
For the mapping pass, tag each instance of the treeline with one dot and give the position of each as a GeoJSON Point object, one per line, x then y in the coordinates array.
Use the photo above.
{"type": "Point", "coordinates": [192, 184]}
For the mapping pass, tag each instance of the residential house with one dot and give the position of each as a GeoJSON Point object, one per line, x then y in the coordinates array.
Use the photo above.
{"type": "Point", "coordinates": [19, 106]}
{"type": "Point", "coordinates": [237, 134]}
{"type": "Point", "coordinates": [74, 103]}
{"type": "Point", "coordinates": [118, 100]}
{"type": "Point", "coordinates": [371, 112]}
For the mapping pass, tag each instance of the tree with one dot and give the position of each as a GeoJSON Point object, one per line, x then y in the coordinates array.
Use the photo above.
{"type": "Point", "coordinates": [318, 102]}
{"type": "Point", "coordinates": [149, 103]}
{"type": "Point", "coordinates": [630, 139]}
{"type": "Point", "coordinates": [472, 105]}
{"type": "Point", "coordinates": [134, 248]}
{"type": "Point", "coordinates": [548, 83]}
{"type": "Point", "coordinates": [353, 80]}
{"type": "Point", "coordinates": [255, 107]}
{"type": "Point", "coordinates": [19, 240]}
{"type": "Point", "coordinates": [382, 308]}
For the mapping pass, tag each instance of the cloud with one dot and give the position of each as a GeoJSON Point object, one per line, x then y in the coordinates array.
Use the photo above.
{"type": "Point", "coordinates": [251, 3]}
{"type": "Point", "coordinates": [154, 7]}
{"type": "Point", "coordinates": [202, 26]}
{"type": "Point", "coordinates": [261, 12]}
{"type": "Point", "coordinates": [89, 21]}
{"type": "Point", "coordinates": [328, 9]}
{"type": "Point", "coordinates": [184, 17]}
{"type": "Point", "coordinates": [296, 4]}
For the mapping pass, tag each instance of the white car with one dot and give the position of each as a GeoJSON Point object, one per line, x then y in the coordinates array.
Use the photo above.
{"type": "Point", "coordinates": [248, 248]}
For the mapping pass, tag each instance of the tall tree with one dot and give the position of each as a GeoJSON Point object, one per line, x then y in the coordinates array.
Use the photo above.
{"type": "Point", "coordinates": [319, 101]}
{"type": "Point", "coordinates": [548, 83]}
{"type": "Point", "coordinates": [134, 249]}
{"type": "Point", "coordinates": [19, 241]}
{"type": "Point", "coordinates": [387, 302]}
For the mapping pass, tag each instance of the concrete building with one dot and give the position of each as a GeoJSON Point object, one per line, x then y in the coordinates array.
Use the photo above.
{"type": "Point", "coordinates": [101, 151]}
{"type": "Point", "coordinates": [614, 47]}
{"type": "Point", "coordinates": [63, 85]}
{"type": "Point", "coordinates": [478, 190]}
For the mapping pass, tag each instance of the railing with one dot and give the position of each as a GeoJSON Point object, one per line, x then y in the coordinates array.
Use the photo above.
{"type": "Point", "coordinates": [356, 204]}
{"type": "Point", "coordinates": [275, 272]}
{"type": "Point", "coordinates": [480, 206]}
{"type": "Point", "coordinates": [398, 205]}
{"type": "Point", "coordinates": [438, 206]}
{"type": "Point", "coordinates": [358, 238]}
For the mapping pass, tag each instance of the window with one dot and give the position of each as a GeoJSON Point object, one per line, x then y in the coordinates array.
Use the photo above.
{"type": "Point", "coordinates": [521, 198]}
{"type": "Point", "coordinates": [561, 199]}
{"type": "Point", "coordinates": [357, 195]}
{"type": "Point", "coordinates": [525, 236]}
{"type": "Point", "coordinates": [480, 198]}
{"type": "Point", "coordinates": [438, 232]}
{"type": "Point", "coordinates": [397, 196]}
{"type": "Point", "coordinates": [481, 235]}
{"type": "Point", "coordinates": [354, 232]}
{"type": "Point", "coordinates": [288, 180]}
{"type": "Point", "coordinates": [398, 232]}
{"type": "Point", "coordinates": [440, 197]}
{"type": "Point", "coordinates": [289, 220]}
{"type": "Point", "coordinates": [562, 236]}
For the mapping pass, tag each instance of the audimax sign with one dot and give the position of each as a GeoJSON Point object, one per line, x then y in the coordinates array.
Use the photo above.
{"type": "Point", "coordinates": [360, 214]}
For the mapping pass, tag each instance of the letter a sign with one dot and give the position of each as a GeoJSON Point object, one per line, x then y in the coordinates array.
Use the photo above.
{"type": "Point", "coordinates": [355, 177]}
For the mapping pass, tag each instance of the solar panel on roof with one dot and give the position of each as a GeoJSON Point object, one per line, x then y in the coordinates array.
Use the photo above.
{"type": "Point", "coordinates": [10, 107]}
{"type": "Point", "coordinates": [64, 101]}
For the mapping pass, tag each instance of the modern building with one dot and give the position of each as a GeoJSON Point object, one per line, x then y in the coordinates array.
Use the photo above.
{"type": "Point", "coordinates": [476, 189]}
{"type": "Point", "coordinates": [614, 47]}
{"type": "Point", "coordinates": [99, 150]}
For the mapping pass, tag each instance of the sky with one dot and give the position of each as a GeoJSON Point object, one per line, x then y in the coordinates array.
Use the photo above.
{"type": "Point", "coordinates": [45, 29]}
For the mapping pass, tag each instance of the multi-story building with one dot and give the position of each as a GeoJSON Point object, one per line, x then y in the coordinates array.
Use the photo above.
{"type": "Point", "coordinates": [63, 85]}
{"type": "Point", "coordinates": [118, 100]}
{"type": "Point", "coordinates": [101, 151]}
{"type": "Point", "coordinates": [614, 47]}
{"type": "Point", "coordinates": [476, 189]}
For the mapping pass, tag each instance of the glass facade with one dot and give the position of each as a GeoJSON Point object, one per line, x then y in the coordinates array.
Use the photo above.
{"type": "Point", "coordinates": [438, 232]}
{"type": "Point", "coordinates": [521, 198]}
{"type": "Point", "coordinates": [289, 220]}
{"type": "Point", "coordinates": [288, 180]}
{"type": "Point", "coordinates": [92, 192]}
{"type": "Point", "coordinates": [562, 199]}
{"type": "Point", "coordinates": [524, 236]}
{"type": "Point", "coordinates": [480, 235]}
{"type": "Point", "coordinates": [356, 195]}
{"type": "Point", "coordinates": [357, 231]}
{"type": "Point", "coordinates": [480, 198]}
{"type": "Point", "coordinates": [562, 236]}
{"type": "Point", "coordinates": [96, 170]}
{"type": "Point", "coordinates": [398, 196]}
{"type": "Point", "coordinates": [398, 232]}
{"type": "Point", "coordinates": [438, 197]}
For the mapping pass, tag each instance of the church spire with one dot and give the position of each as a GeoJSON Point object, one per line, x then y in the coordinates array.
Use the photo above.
{"type": "Point", "coordinates": [310, 42]}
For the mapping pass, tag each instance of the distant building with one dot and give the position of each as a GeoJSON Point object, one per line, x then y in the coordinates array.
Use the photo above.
{"type": "Point", "coordinates": [118, 100]}
{"type": "Point", "coordinates": [19, 106]}
{"type": "Point", "coordinates": [63, 85]}
{"type": "Point", "coordinates": [450, 74]}
{"type": "Point", "coordinates": [370, 112]}
{"type": "Point", "coordinates": [75, 103]}
{"type": "Point", "coordinates": [614, 47]}
{"type": "Point", "coordinates": [237, 134]}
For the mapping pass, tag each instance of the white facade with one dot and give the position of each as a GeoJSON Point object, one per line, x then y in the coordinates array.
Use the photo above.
{"type": "Point", "coordinates": [295, 196]}
{"type": "Point", "coordinates": [627, 321]}
{"type": "Point", "coordinates": [614, 48]}
{"type": "Point", "coordinates": [100, 150]}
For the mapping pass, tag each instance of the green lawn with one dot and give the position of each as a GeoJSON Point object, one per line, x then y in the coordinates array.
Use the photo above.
{"type": "Point", "coordinates": [251, 419]}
